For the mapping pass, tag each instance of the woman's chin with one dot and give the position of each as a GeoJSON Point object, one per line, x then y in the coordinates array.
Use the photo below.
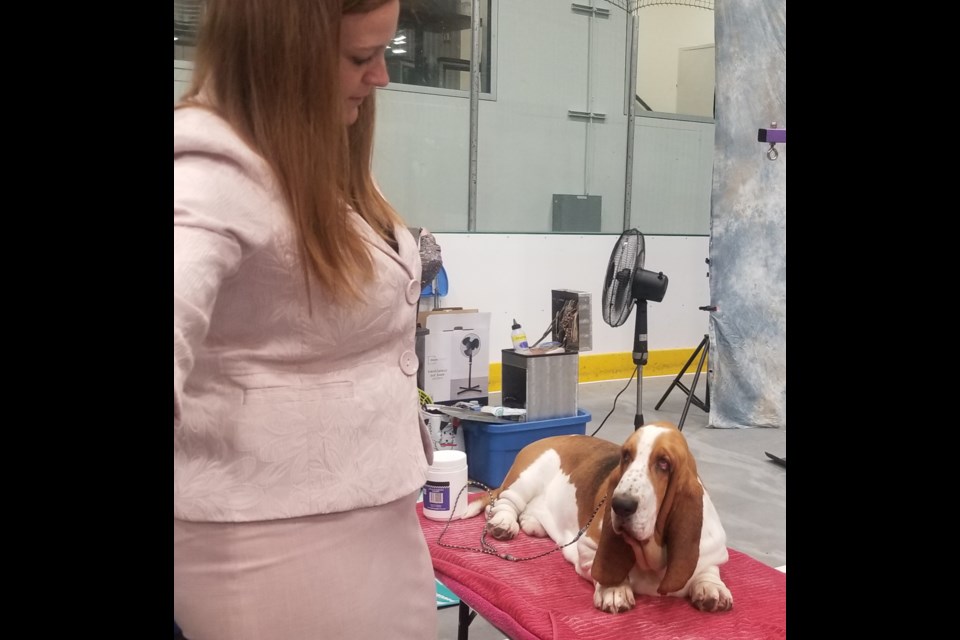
{"type": "Point", "coordinates": [351, 114]}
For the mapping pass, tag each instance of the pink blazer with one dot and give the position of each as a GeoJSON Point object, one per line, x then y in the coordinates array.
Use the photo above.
{"type": "Point", "coordinates": [281, 409]}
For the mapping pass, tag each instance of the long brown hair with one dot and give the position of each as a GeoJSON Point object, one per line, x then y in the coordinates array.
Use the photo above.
{"type": "Point", "coordinates": [271, 69]}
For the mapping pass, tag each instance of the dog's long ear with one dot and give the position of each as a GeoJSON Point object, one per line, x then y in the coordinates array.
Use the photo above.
{"type": "Point", "coordinates": [614, 558]}
{"type": "Point", "coordinates": [680, 522]}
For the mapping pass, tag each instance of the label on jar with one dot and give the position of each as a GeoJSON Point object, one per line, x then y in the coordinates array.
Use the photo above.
{"type": "Point", "coordinates": [436, 495]}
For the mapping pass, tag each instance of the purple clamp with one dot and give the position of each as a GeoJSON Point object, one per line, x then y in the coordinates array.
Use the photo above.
{"type": "Point", "coordinates": [772, 135]}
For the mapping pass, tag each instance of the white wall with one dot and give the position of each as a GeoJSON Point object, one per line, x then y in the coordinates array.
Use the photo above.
{"type": "Point", "coordinates": [512, 275]}
{"type": "Point", "coordinates": [664, 30]}
{"type": "Point", "coordinates": [696, 80]}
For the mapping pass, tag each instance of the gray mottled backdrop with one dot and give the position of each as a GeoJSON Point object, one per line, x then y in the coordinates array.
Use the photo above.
{"type": "Point", "coordinates": [748, 242]}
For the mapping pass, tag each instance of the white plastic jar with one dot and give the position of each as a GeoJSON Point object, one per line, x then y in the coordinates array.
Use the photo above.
{"type": "Point", "coordinates": [446, 478]}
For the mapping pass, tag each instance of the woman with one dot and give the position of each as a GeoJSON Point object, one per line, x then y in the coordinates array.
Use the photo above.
{"type": "Point", "coordinates": [298, 447]}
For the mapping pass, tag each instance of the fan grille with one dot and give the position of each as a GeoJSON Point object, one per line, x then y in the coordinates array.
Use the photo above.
{"type": "Point", "coordinates": [626, 258]}
{"type": "Point", "coordinates": [470, 344]}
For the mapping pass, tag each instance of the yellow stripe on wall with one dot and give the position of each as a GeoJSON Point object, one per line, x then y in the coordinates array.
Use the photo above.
{"type": "Point", "coordinates": [595, 367]}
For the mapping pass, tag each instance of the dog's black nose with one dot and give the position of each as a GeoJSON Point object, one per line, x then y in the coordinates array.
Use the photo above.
{"type": "Point", "coordinates": [624, 506]}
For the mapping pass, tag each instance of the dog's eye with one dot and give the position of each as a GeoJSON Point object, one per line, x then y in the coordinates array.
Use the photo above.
{"type": "Point", "coordinates": [663, 464]}
{"type": "Point", "coordinates": [625, 457]}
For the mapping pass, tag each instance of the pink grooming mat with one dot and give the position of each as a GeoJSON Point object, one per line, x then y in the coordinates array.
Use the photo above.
{"type": "Point", "coordinates": [545, 599]}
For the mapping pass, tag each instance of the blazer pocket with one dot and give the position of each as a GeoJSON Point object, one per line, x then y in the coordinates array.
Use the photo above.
{"type": "Point", "coordinates": [277, 395]}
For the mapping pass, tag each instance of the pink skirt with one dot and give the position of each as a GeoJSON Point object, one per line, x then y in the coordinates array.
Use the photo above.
{"type": "Point", "coordinates": [361, 575]}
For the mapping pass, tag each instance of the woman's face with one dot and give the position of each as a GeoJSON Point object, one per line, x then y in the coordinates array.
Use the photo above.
{"type": "Point", "coordinates": [363, 41]}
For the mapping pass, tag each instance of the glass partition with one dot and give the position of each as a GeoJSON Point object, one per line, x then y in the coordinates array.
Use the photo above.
{"type": "Point", "coordinates": [434, 43]}
{"type": "Point", "coordinates": [186, 23]}
{"type": "Point", "coordinates": [675, 57]}
{"type": "Point", "coordinates": [546, 141]}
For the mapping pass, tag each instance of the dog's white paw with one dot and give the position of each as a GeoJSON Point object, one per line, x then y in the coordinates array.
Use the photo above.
{"type": "Point", "coordinates": [708, 595]}
{"type": "Point", "coordinates": [614, 599]}
{"type": "Point", "coordinates": [532, 527]}
{"type": "Point", "coordinates": [503, 526]}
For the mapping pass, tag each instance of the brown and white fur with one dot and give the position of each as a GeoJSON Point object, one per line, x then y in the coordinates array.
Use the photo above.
{"type": "Point", "coordinates": [657, 531]}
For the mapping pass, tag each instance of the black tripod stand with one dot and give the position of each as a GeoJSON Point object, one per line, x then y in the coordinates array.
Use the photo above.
{"type": "Point", "coordinates": [702, 349]}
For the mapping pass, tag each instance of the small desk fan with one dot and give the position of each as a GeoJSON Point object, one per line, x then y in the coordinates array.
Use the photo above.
{"type": "Point", "coordinates": [628, 283]}
{"type": "Point", "coordinates": [468, 347]}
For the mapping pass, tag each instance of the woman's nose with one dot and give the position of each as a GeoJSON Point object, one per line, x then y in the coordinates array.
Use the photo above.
{"type": "Point", "coordinates": [378, 76]}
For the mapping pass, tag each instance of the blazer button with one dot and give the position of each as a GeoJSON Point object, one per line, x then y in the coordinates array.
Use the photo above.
{"type": "Point", "coordinates": [413, 291]}
{"type": "Point", "coordinates": [409, 363]}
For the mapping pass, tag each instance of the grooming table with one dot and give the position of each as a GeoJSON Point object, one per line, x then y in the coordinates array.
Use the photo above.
{"type": "Point", "coordinates": [544, 598]}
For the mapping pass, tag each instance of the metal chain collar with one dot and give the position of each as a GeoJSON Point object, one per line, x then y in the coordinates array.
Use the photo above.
{"type": "Point", "coordinates": [486, 547]}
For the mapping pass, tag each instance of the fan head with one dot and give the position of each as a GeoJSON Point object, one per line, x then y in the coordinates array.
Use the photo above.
{"type": "Point", "coordinates": [470, 344]}
{"type": "Point", "coordinates": [627, 281]}
{"type": "Point", "coordinates": [627, 256]}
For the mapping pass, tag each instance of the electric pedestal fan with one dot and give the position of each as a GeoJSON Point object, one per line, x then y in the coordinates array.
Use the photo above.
{"type": "Point", "coordinates": [468, 347]}
{"type": "Point", "coordinates": [628, 283]}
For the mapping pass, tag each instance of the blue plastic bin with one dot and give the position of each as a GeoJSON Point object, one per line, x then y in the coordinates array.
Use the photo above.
{"type": "Point", "coordinates": [492, 448]}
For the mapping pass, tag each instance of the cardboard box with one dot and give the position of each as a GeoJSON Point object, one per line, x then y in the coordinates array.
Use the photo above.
{"type": "Point", "coordinates": [456, 363]}
{"type": "Point", "coordinates": [423, 315]}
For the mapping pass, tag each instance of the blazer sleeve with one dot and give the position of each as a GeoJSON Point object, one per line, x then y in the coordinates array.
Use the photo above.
{"type": "Point", "coordinates": [216, 225]}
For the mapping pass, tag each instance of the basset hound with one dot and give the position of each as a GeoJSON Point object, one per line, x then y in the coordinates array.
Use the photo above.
{"type": "Point", "coordinates": [651, 528]}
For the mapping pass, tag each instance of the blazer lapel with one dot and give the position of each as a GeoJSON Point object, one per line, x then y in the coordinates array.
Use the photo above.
{"type": "Point", "coordinates": [408, 252]}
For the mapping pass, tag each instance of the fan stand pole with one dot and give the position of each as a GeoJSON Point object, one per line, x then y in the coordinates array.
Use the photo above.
{"type": "Point", "coordinates": [638, 418]}
{"type": "Point", "coordinates": [470, 386]}
{"type": "Point", "coordinates": [640, 358]}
